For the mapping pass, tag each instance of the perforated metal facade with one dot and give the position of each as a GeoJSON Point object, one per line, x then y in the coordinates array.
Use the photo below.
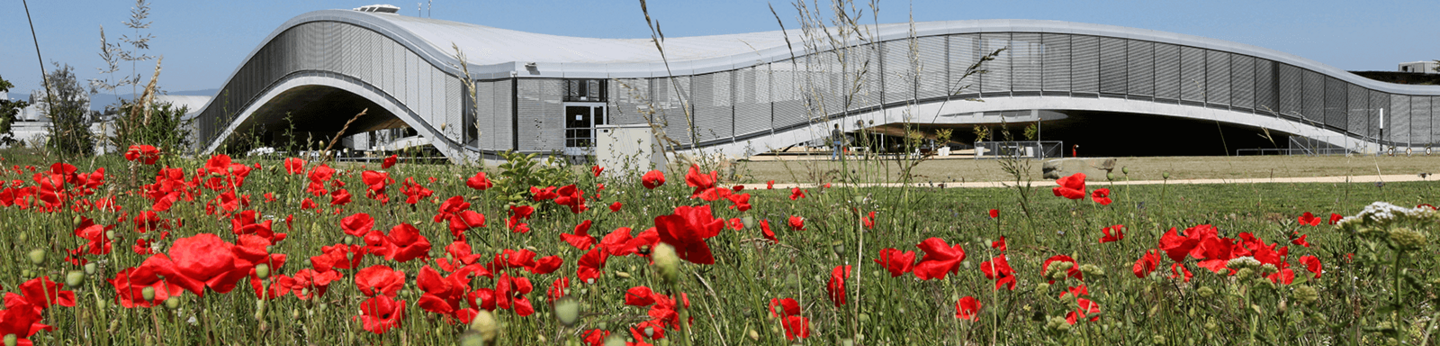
{"type": "Point", "coordinates": [518, 106]}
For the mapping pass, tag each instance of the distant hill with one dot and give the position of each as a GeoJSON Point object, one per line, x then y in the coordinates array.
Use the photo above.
{"type": "Point", "coordinates": [99, 101]}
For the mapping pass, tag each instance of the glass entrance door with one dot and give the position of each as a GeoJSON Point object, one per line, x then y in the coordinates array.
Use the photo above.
{"type": "Point", "coordinates": [580, 121]}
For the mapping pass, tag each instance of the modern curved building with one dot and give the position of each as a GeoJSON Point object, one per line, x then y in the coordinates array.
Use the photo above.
{"type": "Point", "coordinates": [749, 93]}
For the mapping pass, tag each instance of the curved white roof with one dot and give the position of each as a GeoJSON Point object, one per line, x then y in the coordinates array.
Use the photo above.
{"type": "Point", "coordinates": [500, 53]}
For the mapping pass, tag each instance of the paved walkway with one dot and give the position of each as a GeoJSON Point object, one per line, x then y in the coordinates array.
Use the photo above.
{"type": "Point", "coordinates": [1094, 183]}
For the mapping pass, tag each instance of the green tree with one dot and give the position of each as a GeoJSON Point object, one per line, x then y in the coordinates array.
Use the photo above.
{"type": "Point", "coordinates": [65, 102]}
{"type": "Point", "coordinates": [8, 112]}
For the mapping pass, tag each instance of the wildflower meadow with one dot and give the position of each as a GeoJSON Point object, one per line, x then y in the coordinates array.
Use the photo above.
{"type": "Point", "coordinates": [160, 249]}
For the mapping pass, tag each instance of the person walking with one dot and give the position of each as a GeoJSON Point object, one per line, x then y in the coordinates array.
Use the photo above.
{"type": "Point", "coordinates": [837, 140]}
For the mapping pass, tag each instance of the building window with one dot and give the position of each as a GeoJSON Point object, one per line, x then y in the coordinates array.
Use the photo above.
{"type": "Point", "coordinates": [585, 90]}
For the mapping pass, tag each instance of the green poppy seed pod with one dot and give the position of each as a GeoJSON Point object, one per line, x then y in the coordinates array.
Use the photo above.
{"type": "Point", "coordinates": [622, 274]}
{"type": "Point", "coordinates": [1109, 176]}
{"type": "Point", "coordinates": [11, 339]}
{"type": "Point", "coordinates": [110, 234]}
{"type": "Point", "coordinates": [864, 318]}
{"type": "Point", "coordinates": [295, 314]}
{"type": "Point", "coordinates": [1165, 175]}
{"type": "Point", "coordinates": [148, 293]}
{"type": "Point", "coordinates": [615, 340]}
{"type": "Point", "coordinates": [667, 262]}
{"type": "Point", "coordinates": [541, 337]}
{"type": "Point", "coordinates": [349, 239]}
{"type": "Point", "coordinates": [173, 302]}
{"type": "Point", "coordinates": [26, 273]}
{"type": "Point", "coordinates": [754, 335]}
{"type": "Point", "coordinates": [847, 342]}
{"type": "Point", "coordinates": [74, 278]}
{"type": "Point", "coordinates": [485, 325]}
{"type": "Point", "coordinates": [262, 270]}
{"type": "Point", "coordinates": [37, 256]}
{"type": "Point", "coordinates": [748, 221]}
{"type": "Point", "coordinates": [567, 311]}
{"type": "Point", "coordinates": [471, 339]}
{"type": "Point", "coordinates": [90, 268]}
{"type": "Point", "coordinates": [1125, 170]}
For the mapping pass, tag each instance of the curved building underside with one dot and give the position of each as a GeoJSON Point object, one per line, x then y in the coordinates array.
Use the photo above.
{"type": "Point", "coordinates": [749, 93]}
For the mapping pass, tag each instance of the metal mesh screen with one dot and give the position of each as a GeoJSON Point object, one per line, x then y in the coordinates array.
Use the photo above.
{"type": "Point", "coordinates": [673, 107]}
{"type": "Point", "coordinates": [1379, 106]}
{"type": "Point", "coordinates": [932, 69]}
{"type": "Point", "coordinates": [789, 107]}
{"type": "Point", "coordinates": [1336, 97]}
{"type": "Point", "coordinates": [1312, 97]}
{"type": "Point", "coordinates": [1140, 73]}
{"type": "Point", "coordinates": [1290, 90]}
{"type": "Point", "coordinates": [998, 79]}
{"type": "Point", "coordinates": [1025, 59]}
{"type": "Point", "coordinates": [1192, 74]}
{"type": "Point", "coordinates": [479, 125]}
{"type": "Point", "coordinates": [899, 73]}
{"type": "Point", "coordinates": [1356, 117]}
{"type": "Point", "coordinates": [826, 85]}
{"type": "Point", "coordinates": [1242, 82]}
{"type": "Point", "coordinates": [632, 101]}
{"type": "Point", "coordinates": [1420, 120]}
{"type": "Point", "coordinates": [503, 123]}
{"type": "Point", "coordinates": [1434, 112]}
{"type": "Point", "coordinates": [1085, 59]}
{"type": "Point", "coordinates": [863, 62]}
{"type": "Point", "coordinates": [1167, 72]}
{"type": "Point", "coordinates": [1266, 75]}
{"type": "Point", "coordinates": [752, 100]}
{"type": "Point", "coordinates": [964, 52]}
{"type": "Point", "coordinates": [1112, 66]}
{"type": "Point", "coordinates": [714, 117]}
{"type": "Point", "coordinates": [1397, 124]}
{"type": "Point", "coordinates": [1217, 77]}
{"type": "Point", "coordinates": [1056, 76]}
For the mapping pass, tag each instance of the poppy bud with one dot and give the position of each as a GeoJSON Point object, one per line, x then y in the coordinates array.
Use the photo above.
{"type": "Point", "coordinates": [173, 302]}
{"type": "Point", "coordinates": [1165, 175]}
{"type": "Point", "coordinates": [100, 304]}
{"type": "Point", "coordinates": [847, 342]}
{"type": "Point", "coordinates": [754, 336]}
{"type": "Point", "coordinates": [148, 293]}
{"type": "Point", "coordinates": [1125, 170]}
{"type": "Point", "coordinates": [542, 338]}
{"type": "Point", "coordinates": [36, 256]}
{"type": "Point", "coordinates": [90, 268]}
{"type": "Point", "coordinates": [259, 309]}
{"type": "Point", "coordinates": [1158, 340]}
{"type": "Point", "coordinates": [74, 278]}
{"type": "Point", "coordinates": [262, 270]}
{"type": "Point", "coordinates": [485, 325]}
{"type": "Point", "coordinates": [110, 234]}
{"type": "Point", "coordinates": [1205, 292]}
{"type": "Point", "coordinates": [567, 311]}
{"type": "Point", "coordinates": [622, 274]}
{"type": "Point", "coordinates": [11, 339]}
{"type": "Point", "coordinates": [1109, 176]}
{"type": "Point", "coordinates": [26, 273]}
{"type": "Point", "coordinates": [667, 262]}
{"type": "Point", "coordinates": [295, 314]}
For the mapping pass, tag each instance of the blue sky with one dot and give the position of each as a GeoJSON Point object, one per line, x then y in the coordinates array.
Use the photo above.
{"type": "Point", "coordinates": [204, 41]}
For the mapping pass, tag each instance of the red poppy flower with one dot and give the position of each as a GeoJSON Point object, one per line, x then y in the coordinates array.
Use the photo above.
{"type": "Point", "coordinates": [294, 165]}
{"type": "Point", "coordinates": [1076, 292]}
{"type": "Point", "coordinates": [581, 239]}
{"type": "Point", "coordinates": [1101, 195]}
{"type": "Point", "coordinates": [770, 185]}
{"type": "Point", "coordinates": [310, 283]}
{"type": "Point", "coordinates": [788, 307]}
{"type": "Point", "coordinates": [465, 220]}
{"type": "Point", "coordinates": [615, 207]}
{"type": "Point", "coordinates": [1176, 246]}
{"type": "Point", "coordinates": [338, 256]}
{"type": "Point", "coordinates": [591, 265]}
{"type": "Point", "coordinates": [1312, 264]}
{"type": "Point", "coordinates": [994, 213]}
{"type": "Point", "coordinates": [1072, 187]}
{"type": "Point", "coordinates": [146, 154]}
{"type": "Point", "coordinates": [389, 161]}
{"type": "Point", "coordinates": [868, 221]}
{"type": "Point", "coordinates": [1112, 233]}
{"type": "Point", "coordinates": [639, 296]}
{"type": "Point", "coordinates": [1335, 218]}
{"type": "Point", "coordinates": [797, 327]}
{"type": "Point", "coordinates": [339, 197]}
{"type": "Point", "coordinates": [700, 182]}
{"type": "Point", "coordinates": [1284, 277]}
{"type": "Point", "coordinates": [968, 308]}
{"type": "Point", "coordinates": [572, 197]}
{"type": "Point", "coordinates": [940, 259]}
{"type": "Point", "coordinates": [1301, 241]}
{"type": "Point", "coordinates": [42, 293]}
{"type": "Point", "coordinates": [1309, 219]}
{"type": "Point", "coordinates": [379, 280]}
{"type": "Point", "coordinates": [999, 244]}
{"type": "Point", "coordinates": [796, 193]}
{"type": "Point", "coordinates": [479, 182]}
{"type": "Point", "coordinates": [897, 262]}
{"type": "Point", "coordinates": [595, 170]}
{"type": "Point", "coordinates": [765, 230]}
{"type": "Point", "coordinates": [1178, 270]}
{"type": "Point", "coordinates": [653, 179]}
{"type": "Point", "coordinates": [307, 204]}
{"type": "Point", "coordinates": [380, 314]}
{"type": "Point", "coordinates": [1087, 308]}
{"type": "Point", "coordinates": [204, 260]}
{"type": "Point", "coordinates": [441, 294]}
{"type": "Point", "coordinates": [546, 265]}
{"type": "Point", "coordinates": [405, 243]}
{"type": "Point", "coordinates": [736, 224]}
{"type": "Point", "coordinates": [836, 287]}
{"type": "Point", "coordinates": [999, 269]}
{"type": "Point", "coordinates": [130, 284]}
{"type": "Point", "coordinates": [797, 223]}
{"type": "Point", "coordinates": [740, 202]}
{"type": "Point", "coordinates": [687, 229]}
{"type": "Point", "coordinates": [510, 293]}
